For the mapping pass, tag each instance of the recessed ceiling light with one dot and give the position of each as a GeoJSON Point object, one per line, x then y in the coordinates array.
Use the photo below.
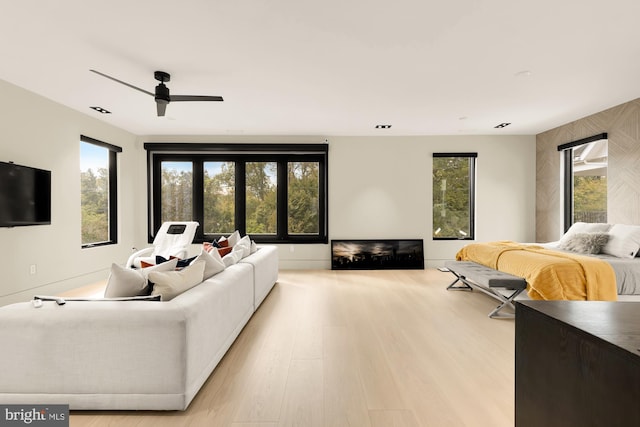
{"type": "Point", "coordinates": [525, 73]}
{"type": "Point", "coordinates": [502, 125]}
{"type": "Point", "coordinates": [383, 126]}
{"type": "Point", "coordinates": [101, 110]}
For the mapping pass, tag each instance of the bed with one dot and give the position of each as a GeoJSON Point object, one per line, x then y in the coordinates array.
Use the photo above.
{"type": "Point", "coordinates": [590, 262]}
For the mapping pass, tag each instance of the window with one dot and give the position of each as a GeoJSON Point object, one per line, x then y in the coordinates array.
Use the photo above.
{"type": "Point", "coordinates": [585, 180]}
{"type": "Point", "coordinates": [453, 195]}
{"type": "Point", "coordinates": [261, 197]}
{"type": "Point", "coordinates": [98, 192]}
{"type": "Point", "coordinates": [277, 193]}
{"type": "Point", "coordinates": [303, 197]}
{"type": "Point", "coordinates": [177, 191]}
{"type": "Point", "coordinates": [219, 197]}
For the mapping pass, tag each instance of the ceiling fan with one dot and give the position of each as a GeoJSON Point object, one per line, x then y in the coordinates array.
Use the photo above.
{"type": "Point", "coordinates": [162, 95]}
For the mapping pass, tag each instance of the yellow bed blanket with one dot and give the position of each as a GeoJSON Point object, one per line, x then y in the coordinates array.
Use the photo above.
{"type": "Point", "coordinates": [550, 275]}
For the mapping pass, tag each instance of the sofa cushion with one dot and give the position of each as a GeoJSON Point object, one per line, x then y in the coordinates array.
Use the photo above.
{"type": "Point", "coordinates": [127, 282]}
{"type": "Point", "coordinates": [172, 283]}
{"type": "Point", "coordinates": [213, 263]}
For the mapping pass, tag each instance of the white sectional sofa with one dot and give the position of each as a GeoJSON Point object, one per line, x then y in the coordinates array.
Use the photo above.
{"type": "Point", "coordinates": [129, 355]}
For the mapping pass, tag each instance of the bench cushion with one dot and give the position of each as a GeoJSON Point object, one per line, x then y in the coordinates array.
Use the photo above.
{"type": "Point", "coordinates": [486, 276]}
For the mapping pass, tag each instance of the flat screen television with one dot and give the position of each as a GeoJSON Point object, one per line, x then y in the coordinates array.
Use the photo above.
{"type": "Point", "coordinates": [25, 195]}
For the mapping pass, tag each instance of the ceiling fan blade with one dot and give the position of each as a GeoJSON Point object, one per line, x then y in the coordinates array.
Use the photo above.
{"type": "Point", "coordinates": [176, 98]}
{"type": "Point", "coordinates": [161, 107]}
{"type": "Point", "coordinates": [121, 82]}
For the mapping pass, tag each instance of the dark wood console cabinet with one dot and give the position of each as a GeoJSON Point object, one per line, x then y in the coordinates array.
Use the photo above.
{"type": "Point", "coordinates": [577, 364]}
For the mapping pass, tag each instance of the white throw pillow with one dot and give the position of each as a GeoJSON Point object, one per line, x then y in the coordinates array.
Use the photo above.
{"type": "Point", "coordinates": [234, 238]}
{"type": "Point", "coordinates": [624, 241]}
{"type": "Point", "coordinates": [212, 263]}
{"type": "Point", "coordinates": [172, 283]}
{"type": "Point", "coordinates": [585, 243]}
{"type": "Point", "coordinates": [245, 245]}
{"type": "Point", "coordinates": [127, 282]}
{"type": "Point", "coordinates": [229, 259]}
{"type": "Point", "coordinates": [254, 247]}
{"type": "Point", "coordinates": [238, 252]}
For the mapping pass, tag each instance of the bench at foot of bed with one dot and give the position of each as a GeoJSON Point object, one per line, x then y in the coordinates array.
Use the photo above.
{"type": "Point", "coordinates": [473, 275]}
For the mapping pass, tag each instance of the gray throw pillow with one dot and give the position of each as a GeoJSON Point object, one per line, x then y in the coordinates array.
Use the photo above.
{"type": "Point", "coordinates": [585, 243]}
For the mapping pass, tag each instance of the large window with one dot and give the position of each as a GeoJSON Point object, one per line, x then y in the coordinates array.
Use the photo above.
{"type": "Point", "coordinates": [275, 193]}
{"type": "Point", "coordinates": [453, 195]}
{"type": "Point", "coordinates": [585, 180]}
{"type": "Point", "coordinates": [98, 192]}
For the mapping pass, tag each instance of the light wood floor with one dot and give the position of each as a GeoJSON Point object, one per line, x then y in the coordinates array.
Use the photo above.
{"type": "Point", "coordinates": [343, 348]}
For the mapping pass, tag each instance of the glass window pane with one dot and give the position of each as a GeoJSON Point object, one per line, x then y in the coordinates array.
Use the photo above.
{"type": "Point", "coordinates": [303, 197]}
{"type": "Point", "coordinates": [590, 182]}
{"type": "Point", "coordinates": [94, 193]}
{"type": "Point", "coordinates": [452, 197]}
{"type": "Point", "coordinates": [177, 191]}
{"type": "Point", "coordinates": [219, 197]}
{"type": "Point", "coordinates": [261, 186]}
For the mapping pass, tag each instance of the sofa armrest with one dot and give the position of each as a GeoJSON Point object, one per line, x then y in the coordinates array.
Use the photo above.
{"type": "Point", "coordinates": [265, 271]}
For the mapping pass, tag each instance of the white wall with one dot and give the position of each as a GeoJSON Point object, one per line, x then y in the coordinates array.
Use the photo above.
{"type": "Point", "coordinates": [40, 133]}
{"type": "Point", "coordinates": [381, 188]}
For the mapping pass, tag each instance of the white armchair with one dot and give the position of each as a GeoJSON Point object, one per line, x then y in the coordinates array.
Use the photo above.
{"type": "Point", "coordinates": [172, 239]}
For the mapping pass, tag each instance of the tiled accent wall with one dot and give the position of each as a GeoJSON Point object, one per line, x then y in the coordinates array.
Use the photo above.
{"type": "Point", "coordinates": [622, 123]}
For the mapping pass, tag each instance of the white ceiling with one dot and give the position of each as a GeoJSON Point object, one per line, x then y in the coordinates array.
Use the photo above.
{"type": "Point", "coordinates": [330, 67]}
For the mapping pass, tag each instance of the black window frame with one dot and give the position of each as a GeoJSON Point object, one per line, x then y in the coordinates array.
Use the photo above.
{"type": "Point", "coordinates": [567, 160]}
{"type": "Point", "coordinates": [113, 190]}
{"type": "Point", "coordinates": [472, 195]}
{"type": "Point", "coordinates": [200, 153]}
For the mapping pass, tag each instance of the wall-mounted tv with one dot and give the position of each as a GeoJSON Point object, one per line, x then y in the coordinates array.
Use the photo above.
{"type": "Point", "coordinates": [25, 195]}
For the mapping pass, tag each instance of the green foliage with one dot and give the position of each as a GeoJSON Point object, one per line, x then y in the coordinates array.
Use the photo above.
{"type": "Point", "coordinates": [303, 197]}
{"type": "Point", "coordinates": [219, 199]}
{"type": "Point", "coordinates": [94, 204]}
{"type": "Point", "coordinates": [177, 195]}
{"type": "Point", "coordinates": [261, 197]}
{"type": "Point", "coordinates": [590, 198]}
{"type": "Point", "coordinates": [451, 196]}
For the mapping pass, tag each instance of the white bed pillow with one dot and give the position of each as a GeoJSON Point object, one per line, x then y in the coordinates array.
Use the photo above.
{"type": "Point", "coordinates": [624, 241]}
{"type": "Point", "coordinates": [586, 227]}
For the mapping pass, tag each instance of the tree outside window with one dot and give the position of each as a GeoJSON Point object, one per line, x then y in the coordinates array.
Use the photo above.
{"type": "Point", "coordinates": [276, 193]}
{"type": "Point", "coordinates": [98, 192]}
{"type": "Point", "coordinates": [453, 195]}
